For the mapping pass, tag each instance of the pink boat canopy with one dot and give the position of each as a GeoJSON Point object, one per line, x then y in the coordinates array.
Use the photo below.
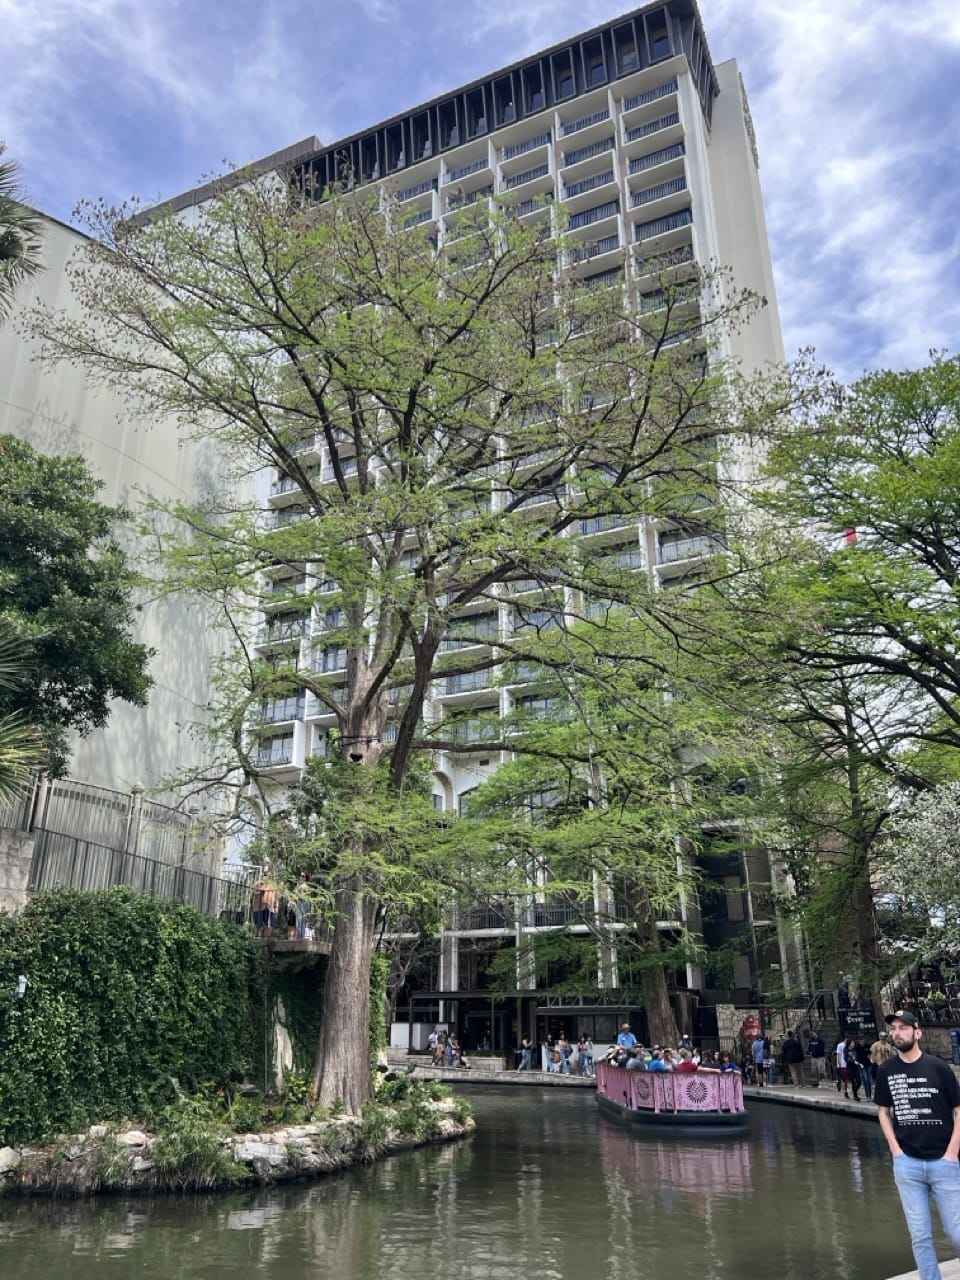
{"type": "Point", "coordinates": [667, 1092]}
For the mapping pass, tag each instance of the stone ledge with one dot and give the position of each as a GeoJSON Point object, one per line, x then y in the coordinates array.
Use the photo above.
{"type": "Point", "coordinates": [104, 1160]}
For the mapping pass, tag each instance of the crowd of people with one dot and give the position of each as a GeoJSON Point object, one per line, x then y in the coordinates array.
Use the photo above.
{"type": "Point", "coordinates": [851, 1065]}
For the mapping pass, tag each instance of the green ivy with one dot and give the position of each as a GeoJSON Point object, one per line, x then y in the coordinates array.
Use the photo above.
{"type": "Point", "coordinates": [123, 992]}
{"type": "Point", "coordinates": [300, 991]}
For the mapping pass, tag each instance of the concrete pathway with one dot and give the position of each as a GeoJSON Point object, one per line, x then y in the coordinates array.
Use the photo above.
{"type": "Point", "coordinates": [948, 1271]}
{"type": "Point", "coordinates": [825, 1098]}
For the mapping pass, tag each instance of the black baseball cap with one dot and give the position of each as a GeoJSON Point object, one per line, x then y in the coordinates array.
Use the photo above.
{"type": "Point", "coordinates": [902, 1015]}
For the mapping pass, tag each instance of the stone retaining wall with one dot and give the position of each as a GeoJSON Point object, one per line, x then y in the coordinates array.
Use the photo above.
{"type": "Point", "coordinates": [108, 1160]}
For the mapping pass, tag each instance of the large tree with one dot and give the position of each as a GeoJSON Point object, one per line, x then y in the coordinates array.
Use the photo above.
{"type": "Point", "coordinates": [66, 599]}
{"type": "Point", "coordinates": [851, 587]}
{"type": "Point", "coordinates": [449, 420]}
{"type": "Point", "coordinates": [621, 752]}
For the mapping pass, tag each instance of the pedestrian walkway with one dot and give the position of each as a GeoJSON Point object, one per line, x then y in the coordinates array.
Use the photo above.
{"type": "Point", "coordinates": [824, 1098]}
{"type": "Point", "coordinates": [484, 1071]}
{"type": "Point", "coordinates": [948, 1271]}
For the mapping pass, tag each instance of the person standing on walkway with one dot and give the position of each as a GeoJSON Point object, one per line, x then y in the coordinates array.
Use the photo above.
{"type": "Point", "coordinates": [853, 1068]}
{"type": "Point", "coordinates": [862, 1055]}
{"type": "Point", "coordinates": [565, 1049]}
{"type": "Point", "coordinates": [918, 1098]}
{"type": "Point", "coordinates": [817, 1050]}
{"type": "Point", "coordinates": [792, 1051]}
{"type": "Point", "coordinates": [843, 1071]}
{"type": "Point", "coordinates": [881, 1051]}
{"type": "Point", "coordinates": [757, 1053]}
{"type": "Point", "coordinates": [585, 1056]}
{"type": "Point", "coordinates": [526, 1055]}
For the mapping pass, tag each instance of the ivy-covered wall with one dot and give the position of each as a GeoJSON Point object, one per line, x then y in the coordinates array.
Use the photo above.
{"type": "Point", "coordinates": [122, 992]}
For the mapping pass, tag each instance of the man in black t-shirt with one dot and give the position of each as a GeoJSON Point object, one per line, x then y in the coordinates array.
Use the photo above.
{"type": "Point", "coordinates": [918, 1098]}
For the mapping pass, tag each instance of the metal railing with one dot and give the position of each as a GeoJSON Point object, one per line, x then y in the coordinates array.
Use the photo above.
{"type": "Point", "coordinates": [465, 170]}
{"type": "Point", "coordinates": [421, 188]}
{"type": "Point", "coordinates": [662, 189]}
{"type": "Point", "coordinates": [468, 681]}
{"type": "Point", "coordinates": [588, 184]}
{"type": "Point", "coordinates": [521, 148]}
{"type": "Point", "coordinates": [596, 117]}
{"type": "Point", "coordinates": [61, 860]}
{"type": "Point", "coordinates": [652, 126]}
{"type": "Point", "coordinates": [649, 95]}
{"type": "Point", "coordinates": [663, 262]}
{"type": "Point", "coordinates": [528, 175]}
{"type": "Point", "coordinates": [660, 226]}
{"type": "Point", "coordinates": [642, 163]}
{"type": "Point", "coordinates": [588, 152]}
{"type": "Point", "coordinates": [599, 524]}
{"type": "Point", "coordinates": [606, 245]}
{"type": "Point", "coordinates": [597, 214]}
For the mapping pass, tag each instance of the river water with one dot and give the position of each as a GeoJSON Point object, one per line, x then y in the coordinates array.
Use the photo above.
{"type": "Point", "coordinates": [547, 1188]}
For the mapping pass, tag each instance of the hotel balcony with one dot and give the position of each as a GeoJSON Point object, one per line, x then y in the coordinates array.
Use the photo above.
{"type": "Point", "coordinates": [585, 128]}
{"type": "Point", "coordinates": [283, 517]}
{"type": "Point", "coordinates": [471, 730]}
{"type": "Point", "coordinates": [477, 166]}
{"type": "Point", "coordinates": [275, 754]}
{"type": "Point", "coordinates": [283, 632]}
{"type": "Point", "coordinates": [639, 108]}
{"type": "Point", "coordinates": [279, 593]}
{"type": "Point", "coordinates": [575, 161]}
{"type": "Point", "coordinates": [593, 525]}
{"type": "Point", "coordinates": [672, 265]}
{"type": "Point", "coordinates": [518, 155]}
{"type": "Point", "coordinates": [281, 710]}
{"type": "Point", "coordinates": [661, 235]}
{"type": "Point", "coordinates": [468, 682]}
{"type": "Point", "coordinates": [586, 191]}
{"type": "Point", "coordinates": [664, 131]}
{"type": "Point", "coordinates": [677, 548]}
{"type": "Point", "coordinates": [661, 199]}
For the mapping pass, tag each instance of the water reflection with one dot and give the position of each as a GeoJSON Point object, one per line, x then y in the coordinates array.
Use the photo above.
{"type": "Point", "coordinates": [547, 1188]}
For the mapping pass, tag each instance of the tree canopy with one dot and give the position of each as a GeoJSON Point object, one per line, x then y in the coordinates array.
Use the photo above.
{"type": "Point", "coordinates": [66, 599]}
{"type": "Point", "coordinates": [453, 422]}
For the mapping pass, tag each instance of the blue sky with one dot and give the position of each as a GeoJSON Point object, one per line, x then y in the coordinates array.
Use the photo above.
{"type": "Point", "coordinates": [856, 105]}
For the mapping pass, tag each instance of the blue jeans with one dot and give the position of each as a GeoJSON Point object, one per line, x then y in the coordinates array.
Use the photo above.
{"type": "Point", "coordinates": [525, 1061]}
{"type": "Point", "coordinates": [866, 1075]}
{"type": "Point", "coordinates": [584, 1064]}
{"type": "Point", "coordinates": [916, 1181]}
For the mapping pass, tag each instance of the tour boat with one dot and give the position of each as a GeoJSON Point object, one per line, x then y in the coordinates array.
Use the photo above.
{"type": "Point", "coordinates": [702, 1100]}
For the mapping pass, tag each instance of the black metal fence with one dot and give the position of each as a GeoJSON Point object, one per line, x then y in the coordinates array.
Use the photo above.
{"type": "Point", "coordinates": [62, 860]}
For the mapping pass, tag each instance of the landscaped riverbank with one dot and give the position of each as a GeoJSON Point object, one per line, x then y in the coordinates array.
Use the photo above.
{"type": "Point", "coordinates": [128, 1159]}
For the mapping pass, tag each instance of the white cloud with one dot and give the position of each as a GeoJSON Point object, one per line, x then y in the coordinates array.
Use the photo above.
{"type": "Point", "coordinates": [854, 106]}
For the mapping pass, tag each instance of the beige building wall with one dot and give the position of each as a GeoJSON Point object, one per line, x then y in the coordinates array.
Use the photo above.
{"type": "Point", "coordinates": [741, 227]}
{"type": "Point", "coordinates": [59, 412]}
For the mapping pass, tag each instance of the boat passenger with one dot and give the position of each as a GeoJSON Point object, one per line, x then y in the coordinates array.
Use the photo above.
{"type": "Point", "coordinates": [727, 1063]}
{"type": "Point", "coordinates": [635, 1060]}
{"type": "Point", "coordinates": [686, 1062]}
{"type": "Point", "coordinates": [657, 1062]}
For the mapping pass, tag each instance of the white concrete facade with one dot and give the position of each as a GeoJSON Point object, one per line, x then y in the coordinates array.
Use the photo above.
{"type": "Point", "coordinates": [58, 411]}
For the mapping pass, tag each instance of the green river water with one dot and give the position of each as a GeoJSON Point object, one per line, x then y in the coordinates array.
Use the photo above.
{"type": "Point", "coordinates": [547, 1188]}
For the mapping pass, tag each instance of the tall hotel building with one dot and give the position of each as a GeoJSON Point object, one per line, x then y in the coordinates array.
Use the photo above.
{"type": "Point", "coordinates": [650, 148]}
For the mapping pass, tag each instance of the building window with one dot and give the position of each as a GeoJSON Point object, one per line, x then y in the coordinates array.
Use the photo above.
{"type": "Point", "coordinates": [658, 35]}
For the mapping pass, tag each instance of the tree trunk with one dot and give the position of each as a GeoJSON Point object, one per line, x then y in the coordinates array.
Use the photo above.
{"type": "Point", "coordinates": [342, 1068]}
{"type": "Point", "coordinates": [661, 1023]}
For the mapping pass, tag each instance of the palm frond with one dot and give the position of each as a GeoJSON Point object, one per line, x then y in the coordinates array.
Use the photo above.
{"type": "Point", "coordinates": [20, 231]}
